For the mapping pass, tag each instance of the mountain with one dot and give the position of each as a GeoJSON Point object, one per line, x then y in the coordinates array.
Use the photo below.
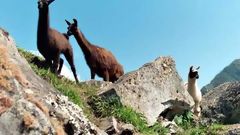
{"type": "Point", "coordinates": [222, 104]}
{"type": "Point", "coordinates": [231, 73]}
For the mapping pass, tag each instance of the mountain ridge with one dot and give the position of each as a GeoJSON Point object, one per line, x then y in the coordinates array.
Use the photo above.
{"type": "Point", "coordinates": [230, 73]}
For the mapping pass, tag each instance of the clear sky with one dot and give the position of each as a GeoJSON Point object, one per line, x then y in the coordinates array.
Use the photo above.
{"type": "Point", "coordinates": [193, 32]}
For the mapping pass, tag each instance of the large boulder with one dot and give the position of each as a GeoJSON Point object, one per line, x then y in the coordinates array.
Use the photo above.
{"type": "Point", "coordinates": [153, 90]}
{"type": "Point", "coordinates": [222, 104]}
{"type": "Point", "coordinates": [29, 105]}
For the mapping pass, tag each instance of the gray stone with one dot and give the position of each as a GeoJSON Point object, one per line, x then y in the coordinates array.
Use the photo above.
{"type": "Point", "coordinates": [31, 106]}
{"type": "Point", "coordinates": [222, 104]}
{"type": "Point", "coordinates": [118, 128]}
{"type": "Point", "coordinates": [154, 89]}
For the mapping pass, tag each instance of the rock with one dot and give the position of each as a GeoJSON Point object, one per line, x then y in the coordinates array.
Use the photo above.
{"type": "Point", "coordinates": [222, 104]}
{"type": "Point", "coordinates": [153, 90]}
{"type": "Point", "coordinates": [171, 125]}
{"type": "Point", "coordinates": [29, 105]}
{"type": "Point", "coordinates": [233, 129]}
{"type": "Point", "coordinates": [118, 128]}
{"type": "Point", "coordinates": [233, 132]}
{"type": "Point", "coordinates": [96, 83]}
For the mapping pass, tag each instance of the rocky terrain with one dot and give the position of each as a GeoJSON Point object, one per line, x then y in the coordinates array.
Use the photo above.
{"type": "Point", "coordinates": [29, 105]}
{"type": "Point", "coordinates": [32, 105]}
{"type": "Point", "coordinates": [231, 73]}
{"type": "Point", "coordinates": [222, 104]}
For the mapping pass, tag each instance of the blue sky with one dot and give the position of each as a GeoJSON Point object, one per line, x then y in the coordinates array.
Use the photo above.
{"type": "Point", "coordinates": [193, 32]}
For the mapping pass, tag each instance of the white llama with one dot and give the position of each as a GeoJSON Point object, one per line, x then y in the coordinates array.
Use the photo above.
{"type": "Point", "coordinates": [194, 91]}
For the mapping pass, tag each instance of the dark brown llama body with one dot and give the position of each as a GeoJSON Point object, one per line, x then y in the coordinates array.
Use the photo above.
{"type": "Point", "coordinates": [99, 60]}
{"type": "Point", "coordinates": [52, 43]}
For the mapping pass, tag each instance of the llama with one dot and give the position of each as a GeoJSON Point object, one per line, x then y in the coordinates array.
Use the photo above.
{"type": "Point", "coordinates": [52, 43]}
{"type": "Point", "coordinates": [99, 60]}
{"type": "Point", "coordinates": [194, 91]}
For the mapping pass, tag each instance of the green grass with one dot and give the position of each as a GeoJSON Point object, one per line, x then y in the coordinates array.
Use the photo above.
{"type": "Point", "coordinates": [186, 122]}
{"type": "Point", "coordinates": [111, 106]}
{"type": "Point", "coordinates": [214, 129]}
{"type": "Point", "coordinates": [80, 95]}
{"type": "Point", "coordinates": [76, 93]}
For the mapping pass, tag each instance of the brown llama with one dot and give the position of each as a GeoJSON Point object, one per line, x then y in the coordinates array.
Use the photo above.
{"type": "Point", "coordinates": [52, 43]}
{"type": "Point", "coordinates": [99, 60]}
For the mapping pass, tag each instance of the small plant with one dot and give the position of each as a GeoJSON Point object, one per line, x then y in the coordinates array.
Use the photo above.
{"type": "Point", "coordinates": [184, 120]}
{"type": "Point", "coordinates": [158, 129]}
{"type": "Point", "coordinates": [190, 127]}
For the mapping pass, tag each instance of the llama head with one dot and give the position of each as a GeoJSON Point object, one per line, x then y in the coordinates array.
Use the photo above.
{"type": "Point", "coordinates": [42, 4]}
{"type": "Point", "coordinates": [193, 73]}
{"type": "Point", "coordinates": [72, 27]}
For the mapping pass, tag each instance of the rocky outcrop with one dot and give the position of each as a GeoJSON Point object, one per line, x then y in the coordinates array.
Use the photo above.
{"type": "Point", "coordinates": [29, 105]}
{"type": "Point", "coordinates": [231, 73]}
{"type": "Point", "coordinates": [153, 90]}
{"type": "Point", "coordinates": [233, 129]}
{"type": "Point", "coordinates": [222, 104]}
{"type": "Point", "coordinates": [113, 127]}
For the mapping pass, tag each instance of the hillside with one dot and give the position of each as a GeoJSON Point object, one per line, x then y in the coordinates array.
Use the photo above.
{"type": "Point", "coordinates": [35, 101]}
{"type": "Point", "coordinates": [231, 73]}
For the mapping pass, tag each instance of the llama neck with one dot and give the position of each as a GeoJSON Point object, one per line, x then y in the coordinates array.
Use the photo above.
{"type": "Point", "coordinates": [192, 83]}
{"type": "Point", "coordinates": [82, 42]}
{"type": "Point", "coordinates": [43, 23]}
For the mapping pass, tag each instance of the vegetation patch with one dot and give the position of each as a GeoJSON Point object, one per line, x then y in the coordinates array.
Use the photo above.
{"type": "Point", "coordinates": [111, 106]}
{"type": "Point", "coordinates": [191, 127]}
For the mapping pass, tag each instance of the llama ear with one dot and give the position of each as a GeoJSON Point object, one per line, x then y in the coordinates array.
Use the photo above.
{"type": "Point", "coordinates": [75, 22]}
{"type": "Point", "coordinates": [198, 67]}
{"type": "Point", "coordinates": [68, 23]}
{"type": "Point", "coordinates": [50, 1]}
{"type": "Point", "coordinates": [191, 68]}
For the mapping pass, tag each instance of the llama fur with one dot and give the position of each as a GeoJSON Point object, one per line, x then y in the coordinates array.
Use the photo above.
{"type": "Point", "coordinates": [100, 61]}
{"type": "Point", "coordinates": [52, 43]}
{"type": "Point", "coordinates": [194, 91]}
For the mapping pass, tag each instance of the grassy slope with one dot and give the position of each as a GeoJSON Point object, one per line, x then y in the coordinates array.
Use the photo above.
{"type": "Point", "coordinates": [79, 94]}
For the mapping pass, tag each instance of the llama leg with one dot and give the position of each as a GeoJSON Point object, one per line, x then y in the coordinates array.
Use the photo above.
{"type": "Point", "coordinates": [114, 77]}
{"type": "Point", "coordinates": [56, 61]}
{"type": "Point", "coordinates": [69, 56]}
{"type": "Point", "coordinates": [106, 76]}
{"type": "Point", "coordinates": [197, 108]}
{"type": "Point", "coordinates": [47, 63]}
{"type": "Point", "coordinates": [92, 74]}
{"type": "Point", "coordinates": [60, 66]}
